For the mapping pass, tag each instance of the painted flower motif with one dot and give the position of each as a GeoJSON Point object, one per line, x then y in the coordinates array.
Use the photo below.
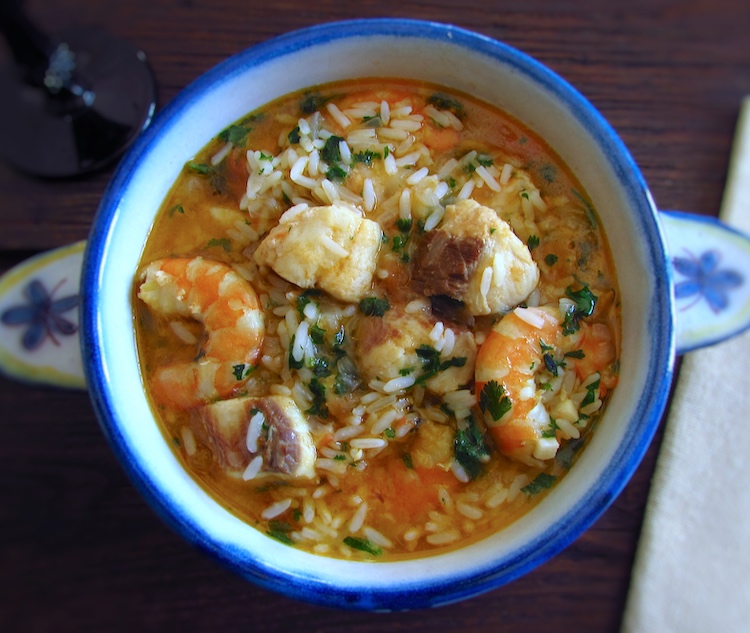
{"type": "Point", "coordinates": [705, 280]}
{"type": "Point", "coordinates": [42, 314]}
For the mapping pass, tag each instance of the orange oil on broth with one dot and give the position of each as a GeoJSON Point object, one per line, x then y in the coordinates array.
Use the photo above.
{"type": "Point", "coordinates": [416, 504]}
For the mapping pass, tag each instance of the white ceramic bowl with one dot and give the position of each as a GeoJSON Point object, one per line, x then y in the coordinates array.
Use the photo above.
{"type": "Point", "coordinates": [379, 48]}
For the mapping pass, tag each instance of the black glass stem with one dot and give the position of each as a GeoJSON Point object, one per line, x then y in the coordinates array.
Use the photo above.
{"type": "Point", "coordinates": [71, 102]}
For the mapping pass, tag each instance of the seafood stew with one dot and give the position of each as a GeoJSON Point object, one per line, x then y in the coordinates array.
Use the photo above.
{"type": "Point", "coordinates": [377, 319]}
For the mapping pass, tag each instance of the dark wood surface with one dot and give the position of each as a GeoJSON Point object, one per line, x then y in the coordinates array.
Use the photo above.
{"type": "Point", "coordinates": [79, 549]}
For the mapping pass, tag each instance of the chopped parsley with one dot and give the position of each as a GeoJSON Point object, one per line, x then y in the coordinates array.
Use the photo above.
{"type": "Point", "coordinates": [336, 174]}
{"type": "Point", "coordinates": [493, 400]}
{"type": "Point", "coordinates": [331, 153]}
{"type": "Point", "coordinates": [201, 168]}
{"type": "Point", "coordinates": [373, 306]}
{"type": "Point", "coordinates": [407, 461]}
{"type": "Point", "coordinates": [532, 242]}
{"type": "Point", "coordinates": [317, 334]}
{"type": "Point", "coordinates": [294, 136]}
{"type": "Point", "coordinates": [305, 297]}
{"type": "Point", "coordinates": [401, 240]}
{"type": "Point", "coordinates": [216, 175]}
{"type": "Point", "coordinates": [366, 157]}
{"type": "Point", "coordinates": [319, 406]}
{"type": "Point", "coordinates": [470, 448]}
{"type": "Point", "coordinates": [280, 536]}
{"type": "Point", "coordinates": [223, 242]}
{"type": "Point", "coordinates": [551, 430]}
{"type": "Point", "coordinates": [541, 482]}
{"type": "Point", "coordinates": [590, 396]}
{"type": "Point", "coordinates": [485, 160]}
{"type": "Point", "coordinates": [404, 224]}
{"type": "Point", "coordinates": [363, 545]}
{"type": "Point", "coordinates": [312, 102]}
{"type": "Point", "coordinates": [576, 353]}
{"type": "Point", "coordinates": [178, 208]}
{"type": "Point", "coordinates": [280, 531]}
{"type": "Point", "coordinates": [444, 102]}
{"type": "Point", "coordinates": [431, 363]}
{"type": "Point", "coordinates": [550, 363]}
{"type": "Point", "coordinates": [242, 370]}
{"type": "Point", "coordinates": [550, 259]}
{"type": "Point", "coordinates": [585, 302]}
{"type": "Point", "coordinates": [235, 134]}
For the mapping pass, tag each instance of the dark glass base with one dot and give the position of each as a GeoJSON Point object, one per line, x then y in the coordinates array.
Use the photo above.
{"type": "Point", "coordinates": [80, 130]}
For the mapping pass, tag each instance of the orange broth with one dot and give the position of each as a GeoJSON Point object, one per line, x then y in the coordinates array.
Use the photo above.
{"type": "Point", "coordinates": [433, 477]}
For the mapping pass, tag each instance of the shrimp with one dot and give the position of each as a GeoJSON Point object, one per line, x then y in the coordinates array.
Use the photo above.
{"type": "Point", "coordinates": [228, 308]}
{"type": "Point", "coordinates": [506, 365]}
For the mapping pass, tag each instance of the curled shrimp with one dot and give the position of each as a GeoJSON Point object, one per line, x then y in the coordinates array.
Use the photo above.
{"type": "Point", "coordinates": [226, 305]}
{"type": "Point", "coordinates": [537, 386]}
{"type": "Point", "coordinates": [505, 370]}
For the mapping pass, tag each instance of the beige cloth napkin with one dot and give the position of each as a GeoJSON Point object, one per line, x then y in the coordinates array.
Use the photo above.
{"type": "Point", "coordinates": [692, 567]}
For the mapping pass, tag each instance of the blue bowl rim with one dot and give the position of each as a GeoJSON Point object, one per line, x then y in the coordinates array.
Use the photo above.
{"type": "Point", "coordinates": [644, 419]}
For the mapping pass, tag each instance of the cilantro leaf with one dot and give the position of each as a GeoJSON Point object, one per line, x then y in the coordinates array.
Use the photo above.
{"type": "Point", "coordinates": [235, 134]}
{"type": "Point", "coordinates": [541, 482]}
{"type": "Point", "coordinates": [294, 136]}
{"type": "Point", "coordinates": [223, 242]}
{"type": "Point", "coordinates": [373, 306]}
{"type": "Point", "coordinates": [331, 153]}
{"type": "Point", "coordinates": [470, 448]}
{"type": "Point", "coordinates": [493, 399]}
{"type": "Point", "coordinates": [363, 545]}
{"type": "Point", "coordinates": [585, 302]}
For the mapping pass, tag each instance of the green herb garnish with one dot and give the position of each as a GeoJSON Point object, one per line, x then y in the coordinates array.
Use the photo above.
{"type": "Point", "coordinates": [366, 157]}
{"type": "Point", "coordinates": [363, 545]}
{"type": "Point", "coordinates": [331, 152]}
{"type": "Point", "coordinates": [492, 399]}
{"type": "Point", "coordinates": [431, 363]}
{"type": "Point", "coordinates": [336, 174]}
{"type": "Point", "coordinates": [541, 482]}
{"type": "Point", "coordinates": [585, 302]}
{"type": "Point", "coordinates": [590, 396]}
{"type": "Point", "coordinates": [242, 370]}
{"type": "Point", "coordinates": [223, 242]}
{"type": "Point", "coordinates": [312, 102]}
{"type": "Point", "coordinates": [235, 134]}
{"type": "Point", "coordinates": [444, 102]}
{"type": "Point", "coordinates": [373, 306]}
{"type": "Point", "coordinates": [470, 448]}
{"type": "Point", "coordinates": [407, 460]}
{"type": "Point", "coordinates": [318, 391]}
{"type": "Point", "coordinates": [294, 136]}
{"type": "Point", "coordinates": [201, 168]}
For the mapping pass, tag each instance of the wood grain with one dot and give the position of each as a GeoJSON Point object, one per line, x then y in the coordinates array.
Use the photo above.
{"type": "Point", "coordinates": [80, 550]}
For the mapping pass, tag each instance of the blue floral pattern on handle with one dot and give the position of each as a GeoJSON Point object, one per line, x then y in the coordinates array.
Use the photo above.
{"type": "Point", "coordinates": [42, 314]}
{"type": "Point", "coordinates": [705, 280]}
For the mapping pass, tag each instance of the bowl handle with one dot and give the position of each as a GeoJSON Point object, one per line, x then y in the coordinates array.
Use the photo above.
{"type": "Point", "coordinates": [39, 298]}
{"type": "Point", "coordinates": [709, 263]}
{"type": "Point", "coordinates": [709, 267]}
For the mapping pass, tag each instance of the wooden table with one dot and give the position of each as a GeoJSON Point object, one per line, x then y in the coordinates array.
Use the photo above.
{"type": "Point", "coordinates": [80, 550]}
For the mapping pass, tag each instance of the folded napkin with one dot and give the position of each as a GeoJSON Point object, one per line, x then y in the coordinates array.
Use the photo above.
{"type": "Point", "coordinates": [692, 567]}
